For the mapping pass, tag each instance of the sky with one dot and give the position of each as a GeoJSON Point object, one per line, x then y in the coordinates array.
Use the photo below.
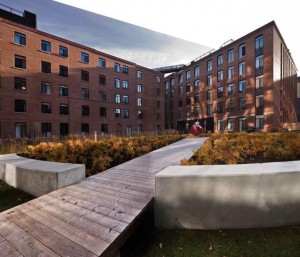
{"type": "Point", "coordinates": [210, 23]}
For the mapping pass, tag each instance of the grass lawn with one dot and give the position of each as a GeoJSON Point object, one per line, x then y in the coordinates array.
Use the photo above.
{"type": "Point", "coordinates": [10, 197]}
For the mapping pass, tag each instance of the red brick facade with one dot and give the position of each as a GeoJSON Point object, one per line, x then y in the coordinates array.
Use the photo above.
{"type": "Point", "coordinates": [248, 83]}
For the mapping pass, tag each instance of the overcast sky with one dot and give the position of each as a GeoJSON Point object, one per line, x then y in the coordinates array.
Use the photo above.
{"type": "Point", "coordinates": [207, 22]}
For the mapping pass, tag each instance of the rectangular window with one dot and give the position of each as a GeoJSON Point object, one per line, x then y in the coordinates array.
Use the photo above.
{"type": "Point", "coordinates": [180, 78]}
{"type": "Point", "coordinates": [20, 62]}
{"type": "Point", "coordinates": [117, 98]}
{"type": "Point", "coordinates": [139, 128]}
{"type": "Point", "coordinates": [102, 63]}
{"type": "Point", "coordinates": [230, 124]}
{"type": "Point", "coordinates": [196, 111]}
{"type": "Point", "coordinates": [125, 69]}
{"type": "Point", "coordinates": [220, 75]}
{"type": "Point", "coordinates": [85, 128]}
{"type": "Point", "coordinates": [259, 101]}
{"type": "Point", "coordinates": [230, 56]}
{"type": "Point", "coordinates": [117, 83]}
{"type": "Point", "coordinates": [180, 115]}
{"type": "Point", "coordinates": [63, 51]}
{"type": "Point", "coordinates": [46, 108]}
{"type": "Point", "coordinates": [220, 125]}
{"type": "Point", "coordinates": [139, 88]}
{"type": "Point", "coordinates": [21, 129]}
{"type": "Point", "coordinates": [102, 112]}
{"type": "Point", "coordinates": [188, 114]}
{"type": "Point", "coordinates": [220, 60]}
{"type": "Point", "coordinates": [196, 84]}
{"type": "Point", "coordinates": [125, 99]}
{"type": "Point", "coordinates": [64, 109]}
{"type": "Point", "coordinates": [242, 50]}
{"type": "Point", "coordinates": [102, 79]}
{"type": "Point", "coordinates": [117, 113]}
{"type": "Point", "coordinates": [188, 87]}
{"type": "Point", "coordinates": [188, 101]}
{"type": "Point", "coordinates": [230, 72]}
{"type": "Point", "coordinates": [85, 75]}
{"type": "Point", "coordinates": [20, 105]}
{"type": "Point", "coordinates": [85, 93]}
{"type": "Point", "coordinates": [129, 130]}
{"type": "Point", "coordinates": [157, 79]}
{"type": "Point", "coordinates": [125, 84]}
{"type": "Point", "coordinates": [209, 95]}
{"type": "Point", "coordinates": [20, 84]}
{"type": "Point", "coordinates": [46, 129]}
{"type": "Point", "coordinates": [242, 86]}
{"type": "Point", "coordinates": [242, 68]}
{"type": "Point", "coordinates": [242, 124]}
{"type": "Point", "coordinates": [63, 90]}
{"type": "Point", "coordinates": [188, 74]}
{"type": "Point", "coordinates": [63, 129]}
{"type": "Point", "coordinates": [230, 105]}
{"type": "Point", "coordinates": [209, 110]}
{"type": "Point", "coordinates": [180, 90]}
{"type": "Point", "coordinates": [158, 104]}
{"type": "Point", "coordinates": [139, 102]}
{"type": "Point", "coordinates": [259, 42]}
{"type": "Point", "coordinates": [209, 65]}
{"type": "Point", "coordinates": [196, 99]}
{"type": "Point", "coordinates": [45, 46]}
{"type": "Point", "coordinates": [209, 80]}
{"type": "Point", "coordinates": [139, 74]}
{"type": "Point", "coordinates": [197, 71]}
{"type": "Point", "coordinates": [104, 128]}
{"type": "Point", "coordinates": [259, 82]}
{"type": "Point", "coordinates": [46, 67]}
{"type": "Point", "coordinates": [259, 122]}
{"type": "Point", "coordinates": [259, 61]}
{"type": "Point", "coordinates": [46, 88]}
{"type": "Point", "coordinates": [125, 114]}
{"type": "Point", "coordinates": [84, 57]}
{"type": "Point", "coordinates": [230, 89]}
{"type": "Point", "coordinates": [117, 67]}
{"type": "Point", "coordinates": [242, 104]}
{"type": "Point", "coordinates": [63, 71]}
{"type": "Point", "coordinates": [220, 107]}
{"type": "Point", "coordinates": [85, 110]}
{"type": "Point", "coordinates": [140, 115]}
{"type": "Point", "coordinates": [20, 39]}
{"type": "Point", "coordinates": [102, 96]}
{"type": "Point", "coordinates": [220, 92]}
{"type": "Point", "coordinates": [180, 102]}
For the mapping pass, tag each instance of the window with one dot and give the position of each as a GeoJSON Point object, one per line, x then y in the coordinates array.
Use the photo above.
{"type": "Point", "coordinates": [196, 84]}
{"type": "Point", "coordinates": [139, 74]}
{"type": "Point", "coordinates": [209, 110]}
{"type": "Point", "coordinates": [180, 90]}
{"type": "Point", "coordinates": [242, 124]}
{"type": "Point", "coordinates": [63, 129]}
{"type": "Point", "coordinates": [63, 51]}
{"type": "Point", "coordinates": [209, 65]}
{"type": "Point", "coordinates": [188, 74]}
{"type": "Point", "coordinates": [85, 75]}
{"type": "Point", "coordinates": [188, 101]}
{"type": "Point", "coordinates": [20, 105]}
{"type": "Point", "coordinates": [180, 102]}
{"type": "Point", "coordinates": [220, 75]}
{"type": "Point", "coordinates": [158, 104]}
{"type": "Point", "coordinates": [102, 96]}
{"type": "Point", "coordinates": [20, 129]}
{"type": "Point", "coordinates": [139, 88]}
{"type": "Point", "coordinates": [20, 84]}
{"type": "Point", "coordinates": [102, 112]}
{"type": "Point", "coordinates": [259, 82]}
{"type": "Point", "coordinates": [85, 110]}
{"type": "Point", "coordinates": [242, 104]}
{"type": "Point", "coordinates": [117, 98]}
{"type": "Point", "coordinates": [125, 99]}
{"type": "Point", "coordinates": [104, 128]}
{"type": "Point", "coordinates": [242, 68]}
{"type": "Point", "coordinates": [259, 62]}
{"type": "Point", "coordinates": [180, 115]}
{"type": "Point", "coordinates": [230, 124]}
{"type": "Point", "coordinates": [157, 79]}
{"type": "Point", "coordinates": [63, 71]}
{"type": "Point", "coordinates": [63, 90]}
{"type": "Point", "coordinates": [209, 80]}
{"type": "Point", "coordinates": [140, 115]}
{"type": "Point", "coordinates": [20, 62]}
{"type": "Point", "coordinates": [188, 114]}
{"type": "Point", "coordinates": [63, 109]}
{"type": "Point", "coordinates": [230, 89]}
{"type": "Point", "coordinates": [102, 79]}
{"type": "Point", "coordinates": [85, 128]}
{"type": "Point", "coordinates": [220, 92]}
{"type": "Point", "coordinates": [117, 67]}
{"type": "Point", "coordinates": [188, 87]}
{"type": "Point", "coordinates": [125, 84]}
{"type": "Point", "coordinates": [46, 129]}
{"type": "Point", "coordinates": [117, 113]}
{"type": "Point", "coordinates": [220, 125]}
{"type": "Point", "coordinates": [46, 67]}
{"type": "Point", "coordinates": [220, 107]}
{"type": "Point", "coordinates": [259, 42]}
{"type": "Point", "coordinates": [259, 122]}
{"type": "Point", "coordinates": [209, 95]}
{"type": "Point", "coordinates": [259, 101]}
{"type": "Point", "coordinates": [46, 46]}
{"type": "Point", "coordinates": [46, 88]}
{"type": "Point", "coordinates": [230, 105]}
{"type": "Point", "coordinates": [230, 56]}
{"type": "Point", "coordinates": [196, 111]}
{"type": "Point", "coordinates": [125, 114]}
{"type": "Point", "coordinates": [180, 78]}
{"type": "Point", "coordinates": [242, 50]}
{"type": "Point", "coordinates": [102, 63]}
{"type": "Point", "coordinates": [129, 130]}
{"type": "Point", "coordinates": [242, 86]}
{"type": "Point", "coordinates": [139, 102]}
{"type": "Point", "coordinates": [230, 73]}
{"type": "Point", "coordinates": [139, 128]}
{"type": "Point", "coordinates": [84, 57]}
{"type": "Point", "coordinates": [84, 93]}
{"type": "Point", "coordinates": [20, 39]}
{"type": "Point", "coordinates": [196, 99]}
{"type": "Point", "coordinates": [117, 83]}
{"type": "Point", "coordinates": [125, 69]}
{"type": "Point", "coordinates": [220, 60]}
{"type": "Point", "coordinates": [197, 71]}
{"type": "Point", "coordinates": [46, 108]}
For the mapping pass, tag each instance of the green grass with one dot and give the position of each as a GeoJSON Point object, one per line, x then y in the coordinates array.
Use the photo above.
{"type": "Point", "coordinates": [11, 197]}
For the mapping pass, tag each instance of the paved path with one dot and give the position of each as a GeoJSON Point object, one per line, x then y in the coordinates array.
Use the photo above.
{"type": "Point", "coordinates": [92, 218]}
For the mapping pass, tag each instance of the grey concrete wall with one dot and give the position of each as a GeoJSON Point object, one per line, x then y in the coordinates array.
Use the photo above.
{"type": "Point", "coordinates": [38, 177]}
{"type": "Point", "coordinates": [228, 196]}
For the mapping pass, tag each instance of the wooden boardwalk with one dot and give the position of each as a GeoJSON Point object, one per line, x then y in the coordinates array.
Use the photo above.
{"type": "Point", "coordinates": [92, 218]}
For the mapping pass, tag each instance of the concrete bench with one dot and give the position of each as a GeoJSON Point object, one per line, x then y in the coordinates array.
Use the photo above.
{"type": "Point", "coordinates": [228, 196]}
{"type": "Point", "coordinates": [38, 177]}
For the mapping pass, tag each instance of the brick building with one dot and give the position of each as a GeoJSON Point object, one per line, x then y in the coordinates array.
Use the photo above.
{"type": "Point", "coordinates": [247, 83]}
{"type": "Point", "coordinates": [52, 86]}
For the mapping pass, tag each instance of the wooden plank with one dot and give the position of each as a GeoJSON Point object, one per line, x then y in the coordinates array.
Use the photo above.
{"type": "Point", "coordinates": [6, 249]}
{"type": "Point", "coordinates": [26, 244]}
{"type": "Point", "coordinates": [50, 238]}
{"type": "Point", "coordinates": [129, 178]}
{"type": "Point", "coordinates": [132, 173]}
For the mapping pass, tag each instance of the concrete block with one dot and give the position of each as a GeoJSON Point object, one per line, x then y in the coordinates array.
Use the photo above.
{"type": "Point", "coordinates": [228, 196]}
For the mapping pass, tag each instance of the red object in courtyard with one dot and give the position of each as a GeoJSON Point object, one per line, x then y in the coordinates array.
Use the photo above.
{"type": "Point", "coordinates": [196, 129]}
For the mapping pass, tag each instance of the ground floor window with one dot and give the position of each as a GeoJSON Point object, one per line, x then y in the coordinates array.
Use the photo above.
{"type": "Point", "coordinates": [140, 128]}
{"type": "Point", "coordinates": [21, 129]}
{"type": "Point", "coordinates": [64, 129]}
{"type": "Point", "coordinates": [242, 124]}
{"type": "Point", "coordinates": [85, 129]}
{"type": "Point", "coordinates": [46, 129]}
{"type": "Point", "coordinates": [129, 130]}
{"type": "Point", "coordinates": [104, 128]}
{"type": "Point", "coordinates": [259, 122]}
{"type": "Point", "coordinates": [220, 125]}
{"type": "Point", "coordinates": [230, 124]}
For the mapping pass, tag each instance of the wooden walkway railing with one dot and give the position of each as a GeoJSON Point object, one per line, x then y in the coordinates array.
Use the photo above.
{"type": "Point", "coordinates": [92, 218]}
